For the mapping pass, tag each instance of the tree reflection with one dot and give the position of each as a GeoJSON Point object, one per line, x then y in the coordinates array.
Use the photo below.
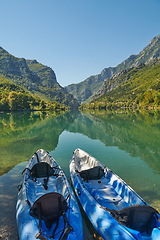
{"type": "Point", "coordinates": [22, 134]}
{"type": "Point", "coordinates": [134, 132]}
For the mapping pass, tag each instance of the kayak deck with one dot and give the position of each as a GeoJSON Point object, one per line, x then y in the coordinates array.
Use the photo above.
{"type": "Point", "coordinates": [109, 190]}
{"type": "Point", "coordinates": [105, 194]}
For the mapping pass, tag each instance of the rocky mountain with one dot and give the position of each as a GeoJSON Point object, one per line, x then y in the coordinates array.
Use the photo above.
{"type": "Point", "coordinates": [138, 86]}
{"type": "Point", "coordinates": [85, 89]}
{"type": "Point", "coordinates": [34, 77]}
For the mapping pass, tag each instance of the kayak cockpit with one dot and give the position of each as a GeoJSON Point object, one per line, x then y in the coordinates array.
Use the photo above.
{"type": "Point", "coordinates": [138, 217]}
{"type": "Point", "coordinates": [48, 209]}
{"type": "Point", "coordinates": [41, 170]}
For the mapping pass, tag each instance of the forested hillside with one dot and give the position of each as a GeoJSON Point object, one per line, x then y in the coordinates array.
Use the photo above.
{"type": "Point", "coordinates": [136, 87]}
{"type": "Point", "coordinates": [38, 79]}
{"type": "Point", "coordinates": [13, 97]}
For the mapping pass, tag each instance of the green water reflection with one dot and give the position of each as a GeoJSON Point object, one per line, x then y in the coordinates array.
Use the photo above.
{"type": "Point", "coordinates": [21, 134]}
{"type": "Point", "coordinates": [126, 142]}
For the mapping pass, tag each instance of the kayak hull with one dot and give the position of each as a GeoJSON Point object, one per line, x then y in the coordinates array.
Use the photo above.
{"type": "Point", "coordinates": [103, 196]}
{"type": "Point", "coordinates": [31, 190]}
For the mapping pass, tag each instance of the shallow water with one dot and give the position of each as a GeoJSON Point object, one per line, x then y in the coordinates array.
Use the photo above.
{"type": "Point", "coordinates": [8, 197]}
{"type": "Point", "coordinates": [127, 143]}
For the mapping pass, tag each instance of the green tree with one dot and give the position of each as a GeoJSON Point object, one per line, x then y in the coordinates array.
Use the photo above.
{"type": "Point", "coordinates": [13, 103]}
{"type": "Point", "coordinates": [4, 104]}
{"type": "Point", "coordinates": [42, 105]}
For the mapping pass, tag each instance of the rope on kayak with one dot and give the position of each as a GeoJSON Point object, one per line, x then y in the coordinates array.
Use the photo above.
{"type": "Point", "coordinates": [65, 232]}
{"type": "Point", "coordinates": [37, 156]}
{"type": "Point", "coordinates": [42, 170]}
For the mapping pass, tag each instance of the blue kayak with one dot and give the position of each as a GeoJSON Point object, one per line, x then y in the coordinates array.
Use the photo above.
{"type": "Point", "coordinates": [113, 207]}
{"type": "Point", "coordinates": [46, 205]}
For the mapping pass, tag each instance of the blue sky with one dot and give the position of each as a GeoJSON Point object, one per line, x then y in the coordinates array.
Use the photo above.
{"type": "Point", "coordinates": [77, 38]}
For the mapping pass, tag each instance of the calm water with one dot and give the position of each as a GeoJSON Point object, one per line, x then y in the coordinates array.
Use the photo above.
{"type": "Point", "coordinates": [126, 142]}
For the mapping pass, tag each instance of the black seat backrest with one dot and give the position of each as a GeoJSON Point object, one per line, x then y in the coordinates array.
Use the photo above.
{"type": "Point", "coordinates": [41, 170]}
{"type": "Point", "coordinates": [49, 208]}
{"type": "Point", "coordinates": [94, 173]}
{"type": "Point", "coordinates": [137, 217]}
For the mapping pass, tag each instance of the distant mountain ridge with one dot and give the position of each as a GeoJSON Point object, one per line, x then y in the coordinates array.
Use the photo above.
{"type": "Point", "coordinates": [85, 89]}
{"type": "Point", "coordinates": [34, 77]}
{"type": "Point", "coordinates": [91, 85]}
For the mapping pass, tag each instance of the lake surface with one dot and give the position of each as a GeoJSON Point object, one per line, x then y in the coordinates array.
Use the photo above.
{"type": "Point", "coordinates": [126, 142]}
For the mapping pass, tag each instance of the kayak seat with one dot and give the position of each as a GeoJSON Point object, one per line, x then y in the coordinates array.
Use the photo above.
{"type": "Point", "coordinates": [41, 170]}
{"type": "Point", "coordinates": [49, 208]}
{"type": "Point", "coordinates": [137, 217]}
{"type": "Point", "coordinates": [94, 173]}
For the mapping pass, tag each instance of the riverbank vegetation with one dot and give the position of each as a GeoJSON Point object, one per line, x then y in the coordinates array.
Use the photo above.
{"type": "Point", "coordinates": [13, 97]}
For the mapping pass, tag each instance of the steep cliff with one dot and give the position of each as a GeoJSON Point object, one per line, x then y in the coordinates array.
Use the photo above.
{"type": "Point", "coordinates": [35, 77]}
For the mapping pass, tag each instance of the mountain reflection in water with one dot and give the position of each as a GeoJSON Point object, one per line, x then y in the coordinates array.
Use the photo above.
{"type": "Point", "coordinates": [126, 142]}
